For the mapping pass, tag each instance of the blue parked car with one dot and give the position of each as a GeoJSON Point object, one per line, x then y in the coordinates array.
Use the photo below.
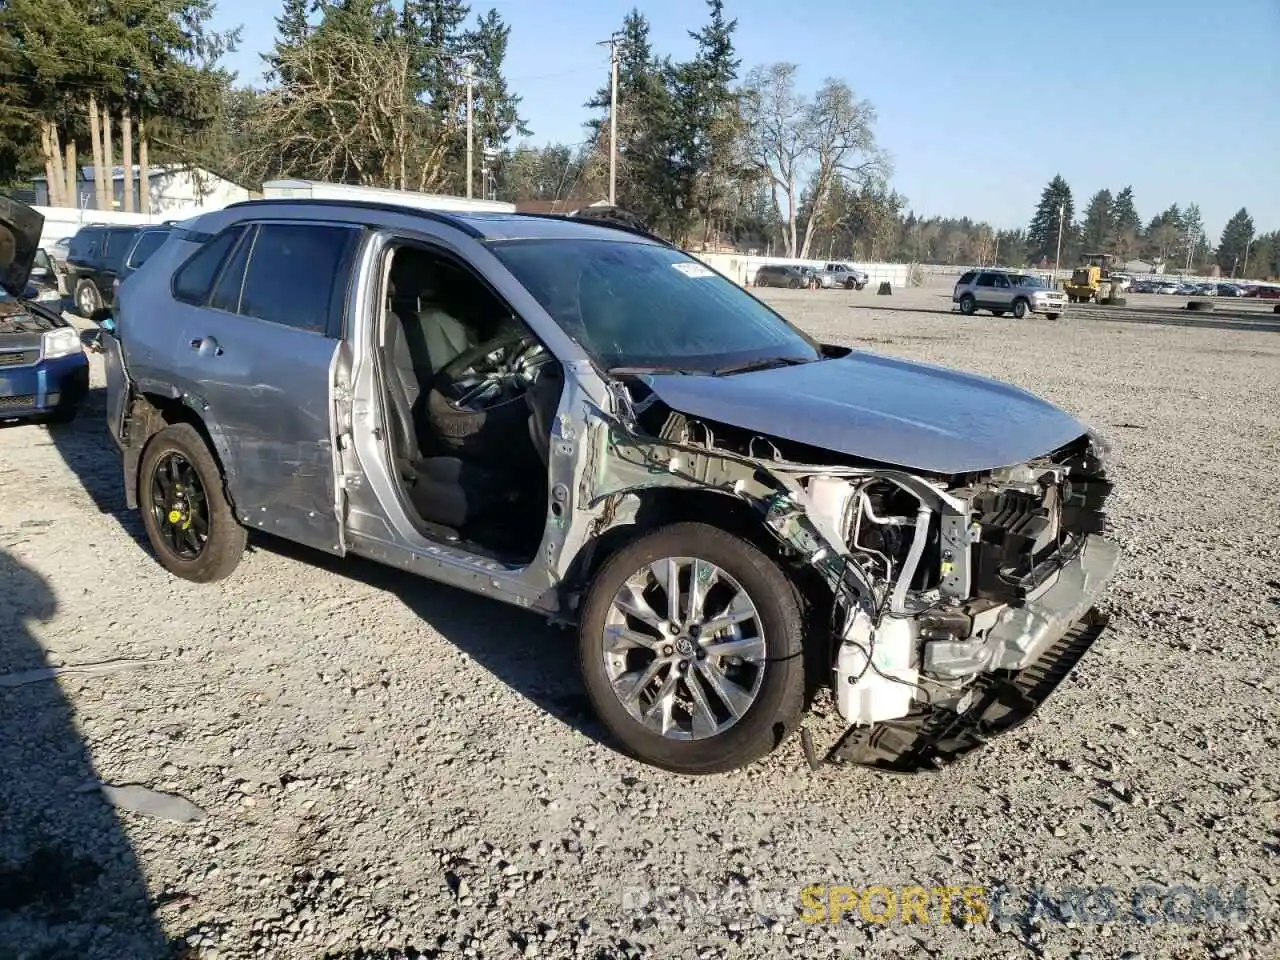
{"type": "Point", "coordinates": [44, 371]}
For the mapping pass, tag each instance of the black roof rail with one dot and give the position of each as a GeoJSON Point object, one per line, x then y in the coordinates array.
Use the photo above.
{"type": "Point", "coordinates": [618, 219]}
{"type": "Point", "coordinates": [440, 216]}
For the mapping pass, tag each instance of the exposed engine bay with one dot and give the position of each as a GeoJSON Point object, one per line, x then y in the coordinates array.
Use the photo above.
{"type": "Point", "coordinates": [16, 318]}
{"type": "Point", "coordinates": [957, 602]}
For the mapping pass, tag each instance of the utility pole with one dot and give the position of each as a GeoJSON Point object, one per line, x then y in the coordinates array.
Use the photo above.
{"type": "Point", "coordinates": [1057, 257]}
{"type": "Point", "coordinates": [1244, 271]}
{"type": "Point", "coordinates": [470, 84]}
{"type": "Point", "coordinates": [613, 116]}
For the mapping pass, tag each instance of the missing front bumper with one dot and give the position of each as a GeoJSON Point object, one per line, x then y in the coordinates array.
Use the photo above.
{"type": "Point", "coordinates": [1002, 700]}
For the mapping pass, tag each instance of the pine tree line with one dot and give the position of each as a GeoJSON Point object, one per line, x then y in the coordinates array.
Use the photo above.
{"type": "Point", "coordinates": [1174, 239]}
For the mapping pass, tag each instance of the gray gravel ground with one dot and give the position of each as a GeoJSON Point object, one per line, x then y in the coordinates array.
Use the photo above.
{"type": "Point", "coordinates": [392, 768]}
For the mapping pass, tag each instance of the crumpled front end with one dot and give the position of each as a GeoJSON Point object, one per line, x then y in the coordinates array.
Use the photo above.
{"type": "Point", "coordinates": [958, 603]}
{"type": "Point", "coordinates": [984, 601]}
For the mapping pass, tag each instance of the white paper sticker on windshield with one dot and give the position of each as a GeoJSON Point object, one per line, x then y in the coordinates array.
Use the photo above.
{"type": "Point", "coordinates": [694, 269]}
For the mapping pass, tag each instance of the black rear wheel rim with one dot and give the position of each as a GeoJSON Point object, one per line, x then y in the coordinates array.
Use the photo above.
{"type": "Point", "coordinates": [179, 506]}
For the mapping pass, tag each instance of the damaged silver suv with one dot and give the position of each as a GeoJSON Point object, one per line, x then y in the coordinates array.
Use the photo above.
{"type": "Point", "coordinates": [579, 419]}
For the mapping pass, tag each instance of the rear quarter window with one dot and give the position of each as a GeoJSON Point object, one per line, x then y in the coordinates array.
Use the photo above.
{"type": "Point", "coordinates": [193, 281]}
{"type": "Point", "coordinates": [968, 277]}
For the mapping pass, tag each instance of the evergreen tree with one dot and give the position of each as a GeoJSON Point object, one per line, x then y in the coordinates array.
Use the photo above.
{"type": "Point", "coordinates": [1124, 213]}
{"type": "Point", "coordinates": [708, 121]}
{"type": "Point", "coordinates": [292, 29]}
{"type": "Point", "coordinates": [647, 181]}
{"type": "Point", "coordinates": [433, 30]}
{"type": "Point", "coordinates": [497, 110]}
{"type": "Point", "coordinates": [1097, 230]}
{"type": "Point", "coordinates": [1042, 234]}
{"type": "Point", "coordinates": [1237, 235]}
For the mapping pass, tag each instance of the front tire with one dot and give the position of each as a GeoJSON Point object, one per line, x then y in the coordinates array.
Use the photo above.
{"type": "Point", "coordinates": [702, 679]}
{"type": "Point", "coordinates": [185, 511]}
{"type": "Point", "coordinates": [1019, 308]}
{"type": "Point", "coordinates": [968, 305]}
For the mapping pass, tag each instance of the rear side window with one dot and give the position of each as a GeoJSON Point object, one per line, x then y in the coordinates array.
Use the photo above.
{"type": "Point", "coordinates": [193, 281]}
{"type": "Point", "coordinates": [297, 274]}
{"type": "Point", "coordinates": [116, 244]}
{"type": "Point", "coordinates": [987, 280]}
{"type": "Point", "coordinates": [148, 243]}
{"type": "Point", "coordinates": [226, 295]}
{"type": "Point", "coordinates": [84, 243]}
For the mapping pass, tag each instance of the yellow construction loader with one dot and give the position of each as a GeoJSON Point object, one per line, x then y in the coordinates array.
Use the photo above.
{"type": "Point", "coordinates": [1091, 280]}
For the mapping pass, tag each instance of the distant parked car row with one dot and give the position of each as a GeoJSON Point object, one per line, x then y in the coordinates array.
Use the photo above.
{"type": "Point", "coordinates": [832, 275]}
{"type": "Point", "coordinates": [1184, 288]}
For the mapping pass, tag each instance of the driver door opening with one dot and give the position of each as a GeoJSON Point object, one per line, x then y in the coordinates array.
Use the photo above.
{"type": "Point", "coordinates": [469, 397]}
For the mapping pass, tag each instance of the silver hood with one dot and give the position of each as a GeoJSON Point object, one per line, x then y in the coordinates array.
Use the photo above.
{"type": "Point", "coordinates": [913, 415]}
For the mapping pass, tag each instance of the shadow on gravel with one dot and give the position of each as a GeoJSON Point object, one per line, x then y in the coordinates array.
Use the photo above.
{"type": "Point", "coordinates": [88, 450]}
{"type": "Point", "coordinates": [70, 885]}
{"type": "Point", "coordinates": [535, 660]}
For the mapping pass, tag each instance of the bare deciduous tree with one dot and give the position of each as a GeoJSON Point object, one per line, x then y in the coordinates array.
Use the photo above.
{"type": "Point", "coordinates": [835, 132]}
{"type": "Point", "coordinates": [349, 114]}
{"type": "Point", "coordinates": [830, 136]}
{"type": "Point", "coordinates": [776, 118]}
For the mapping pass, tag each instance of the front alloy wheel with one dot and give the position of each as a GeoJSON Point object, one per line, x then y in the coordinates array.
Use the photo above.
{"type": "Point", "coordinates": [690, 644]}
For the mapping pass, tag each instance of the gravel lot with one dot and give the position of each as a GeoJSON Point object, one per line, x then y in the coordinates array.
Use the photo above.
{"type": "Point", "coordinates": [390, 768]}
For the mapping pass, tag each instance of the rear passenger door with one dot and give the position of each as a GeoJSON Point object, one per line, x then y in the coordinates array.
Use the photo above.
{"type": "Point", "coordinates": [984, 291]}
{"type": "Point", "coordinates": [261, 338]}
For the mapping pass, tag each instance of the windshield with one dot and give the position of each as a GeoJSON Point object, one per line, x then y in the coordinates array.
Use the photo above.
{"type": "Point", "coordinates": [641, 305]}
{"type": "Point", "coordinates": [1025, 280]}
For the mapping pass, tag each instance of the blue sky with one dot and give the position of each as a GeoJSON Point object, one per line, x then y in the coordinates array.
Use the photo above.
{"type": "Point", "coordinates": [979, 103]}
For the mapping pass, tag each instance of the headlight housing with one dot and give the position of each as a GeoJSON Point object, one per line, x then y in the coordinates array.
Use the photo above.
{"type": "Point", "coordinates": [63, 342]}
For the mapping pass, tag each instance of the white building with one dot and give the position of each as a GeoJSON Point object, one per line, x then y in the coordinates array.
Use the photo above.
{"type": "Point", "coordinates": [170, 188]}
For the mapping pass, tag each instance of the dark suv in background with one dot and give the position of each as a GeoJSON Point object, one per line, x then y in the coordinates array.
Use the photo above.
{"type": "Point", "coordinates": [101, 256]}
{"type": "Point", "coordinates": [781, 275]}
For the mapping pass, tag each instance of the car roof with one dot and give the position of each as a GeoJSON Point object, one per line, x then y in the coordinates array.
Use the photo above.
{"type": "Point", "coordinates": [481, 225]}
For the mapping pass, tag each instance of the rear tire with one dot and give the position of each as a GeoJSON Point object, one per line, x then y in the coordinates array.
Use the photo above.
{"type": "Point", "coordinates": [778, 700]}
{"type": "Point", "coordinates": [87, 298]}
{"type": "Point", "coordinates": [794, 285]}
{"type": "Point", "coordinates": [225, 543]}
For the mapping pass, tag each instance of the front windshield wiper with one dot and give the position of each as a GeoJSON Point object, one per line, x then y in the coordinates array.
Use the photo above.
{"type": "Point", "coordinates": [643, 371]}
{"type": "Point", "coordinates": [764, 363]}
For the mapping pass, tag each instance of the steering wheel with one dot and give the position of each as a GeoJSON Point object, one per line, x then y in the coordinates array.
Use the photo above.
{"type": "Point", "coordinates": [493, 372]}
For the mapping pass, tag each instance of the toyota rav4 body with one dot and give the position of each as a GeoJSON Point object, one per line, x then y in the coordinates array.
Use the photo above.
{"type": "Point", "coordinates": [582, 420]}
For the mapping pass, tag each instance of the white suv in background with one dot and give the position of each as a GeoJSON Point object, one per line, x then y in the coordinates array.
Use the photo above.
{"type": "Point", "coordinates": [844, 275]}
{"type": "Point", "coordinates": [1002, 292]}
